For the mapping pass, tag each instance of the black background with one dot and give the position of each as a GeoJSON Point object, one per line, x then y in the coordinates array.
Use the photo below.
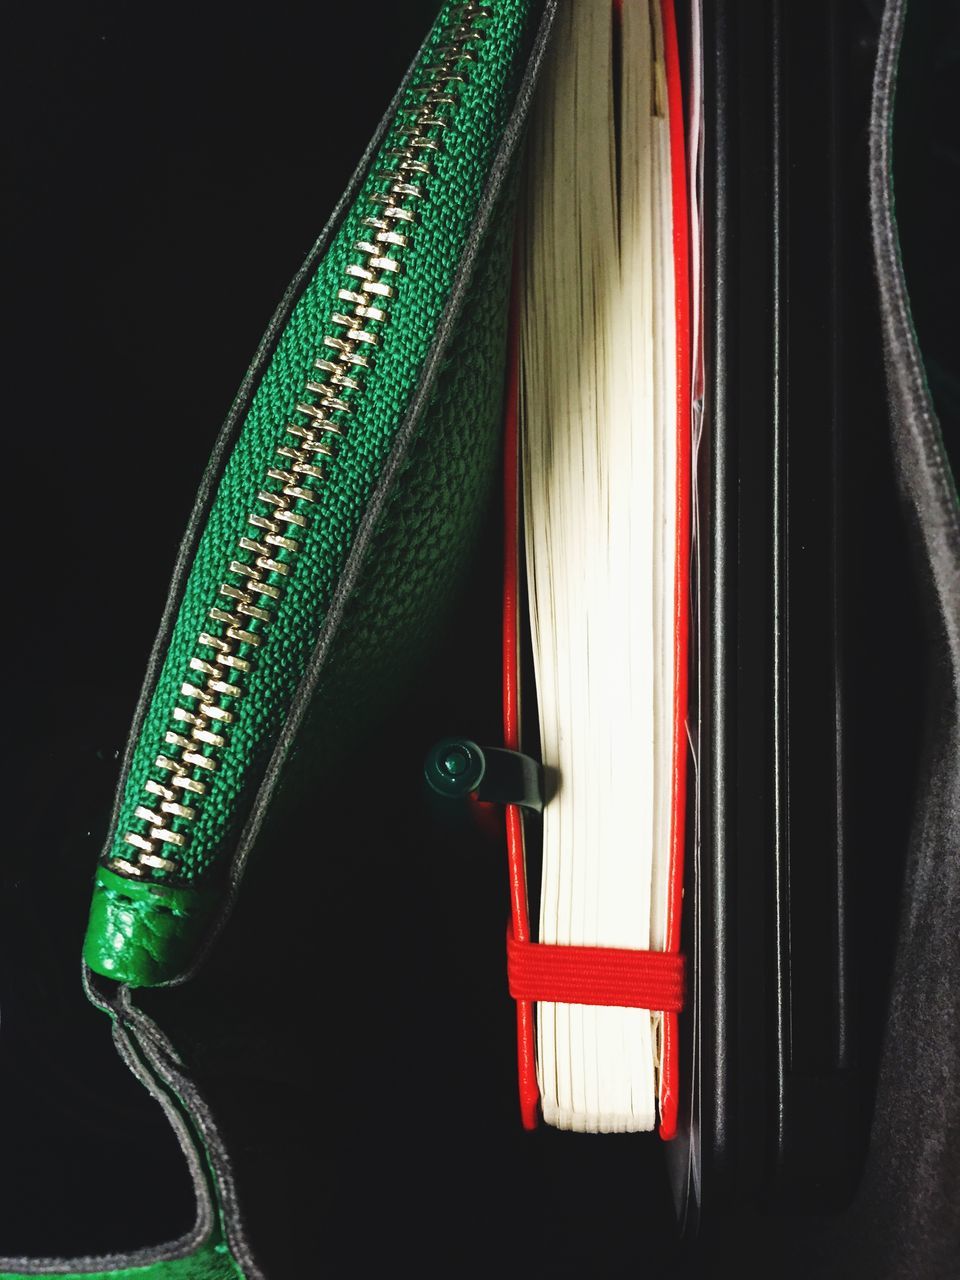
{"type": "Point", "coordinates": [171, 167]}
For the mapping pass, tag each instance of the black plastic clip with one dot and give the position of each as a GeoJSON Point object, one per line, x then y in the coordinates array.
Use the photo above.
{"type": "Point", "coordinates": [457, 767]}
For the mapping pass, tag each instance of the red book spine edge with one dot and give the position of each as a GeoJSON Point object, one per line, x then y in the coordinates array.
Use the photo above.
{"type": "Point", "coordinates": [669, 1063]}
{"type": "Point", "coordinates": [516, 863]}
{"type": "Point", "coordinates": [520, 921]}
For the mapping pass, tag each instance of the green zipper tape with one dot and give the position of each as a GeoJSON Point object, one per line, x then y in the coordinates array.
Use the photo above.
{"type": "Point", "coordinates": [150, 912]}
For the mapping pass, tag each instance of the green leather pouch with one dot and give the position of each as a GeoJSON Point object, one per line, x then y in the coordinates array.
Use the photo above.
{"type": "Point", "coordinates": [333, 525]}
{"type": "Point", "coordinates": [340, 505]}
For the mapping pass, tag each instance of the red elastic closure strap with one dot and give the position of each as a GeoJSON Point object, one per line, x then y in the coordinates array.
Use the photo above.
{"type": "Point", "coordinates": [628, 979]}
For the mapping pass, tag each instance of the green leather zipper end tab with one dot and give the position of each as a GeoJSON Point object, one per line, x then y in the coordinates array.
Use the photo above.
{"type": "Point", "coordinates": [141, 933]}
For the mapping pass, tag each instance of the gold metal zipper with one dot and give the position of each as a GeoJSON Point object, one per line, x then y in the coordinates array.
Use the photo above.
{"type": "Point", "coordinates": [216, 680]}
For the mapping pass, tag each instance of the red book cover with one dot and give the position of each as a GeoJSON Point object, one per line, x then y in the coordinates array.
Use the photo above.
{"type": "Point", "coordinates": [519, 931]}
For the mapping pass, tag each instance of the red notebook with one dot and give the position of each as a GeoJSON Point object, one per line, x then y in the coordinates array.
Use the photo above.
{"type": "Point", "coordinates": [586, 971]}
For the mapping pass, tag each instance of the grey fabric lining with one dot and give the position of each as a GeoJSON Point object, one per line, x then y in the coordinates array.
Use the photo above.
{"type": "Point", "coordinates": [927, 481]}
{"type": "Point", "coordinates": [909, 1206]}
{"type": "Point", "coordinates": [926, 476]}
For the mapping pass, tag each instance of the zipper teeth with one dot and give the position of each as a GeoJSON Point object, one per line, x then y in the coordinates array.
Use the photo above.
{"type": "Point", "coordinates": [226, 654]}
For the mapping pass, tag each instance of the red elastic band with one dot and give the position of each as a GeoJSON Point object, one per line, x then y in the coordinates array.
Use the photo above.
{"type": "Point", "coordinates": [595, 975]}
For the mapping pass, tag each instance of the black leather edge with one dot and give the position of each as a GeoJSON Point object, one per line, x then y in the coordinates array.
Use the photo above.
{"type": "Point", "coordinates": [143, 1048]}
{"type": "Point", "coordinates": [163, 1061]}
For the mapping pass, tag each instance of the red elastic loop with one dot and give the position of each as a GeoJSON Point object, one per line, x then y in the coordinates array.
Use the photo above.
{"type": "Point", "coordinates": [629, 979]}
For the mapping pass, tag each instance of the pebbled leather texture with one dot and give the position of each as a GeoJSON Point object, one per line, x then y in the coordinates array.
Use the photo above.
{"type": "Point", "coordinates": [137, 931]}
{"type": "Point", "coordinates": [415, 570]}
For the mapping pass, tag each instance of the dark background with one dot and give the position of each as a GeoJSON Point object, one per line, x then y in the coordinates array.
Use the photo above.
{"type": "Point", "coordinates": [170, 169]}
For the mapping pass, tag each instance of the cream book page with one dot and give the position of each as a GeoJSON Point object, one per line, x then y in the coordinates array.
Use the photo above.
{"type": "Point", "coordinates": [599, 493]}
